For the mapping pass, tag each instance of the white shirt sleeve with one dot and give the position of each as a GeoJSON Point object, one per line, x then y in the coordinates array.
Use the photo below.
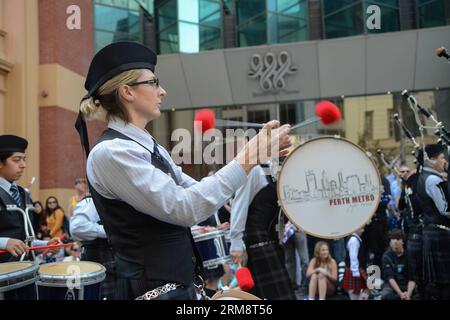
{"type": "Point", "coordinates": [84, 222]}
{"type": "Point", "coordinates": [35, 243]}
{"type": "Point", "coordinates": [436, 193]}
{"type": "Point", "coordinates": [3, 243]}
{"type": "Point", "coordinates": [239, 208]}
{"type": "Point", "coordinates": [353, 249]}
{"type": "Point", "coordinates": [119, 169]}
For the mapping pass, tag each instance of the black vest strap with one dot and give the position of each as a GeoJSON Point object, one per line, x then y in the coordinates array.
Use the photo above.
{"type": "Point", "coordinates": [6, 198]}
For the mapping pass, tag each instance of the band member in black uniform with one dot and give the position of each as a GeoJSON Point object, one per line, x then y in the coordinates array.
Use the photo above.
{"type": "Point", "coordinates": [12, 228]}
{"type": "Point", "coordinates": [375, 236]}
{"type": "Point", "coordinates": [433, 197]}
{"type": "Point", "coordinates": [254, 218]}
{"type": "Point", "coordinates": [85, 226]}
{"type": "Point", "coordinates": [145, 202]}
{"type": "Point", "coordinates": [412, 225]}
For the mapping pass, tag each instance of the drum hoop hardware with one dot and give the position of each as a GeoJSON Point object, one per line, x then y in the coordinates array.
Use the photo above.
{"type": "Point", "coordinates": [16, 283]}
{"type": "Point", "coordinates": [62, 282]}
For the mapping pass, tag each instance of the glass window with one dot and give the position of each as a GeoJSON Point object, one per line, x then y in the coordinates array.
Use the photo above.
{"type": "Point", "coordinates": [188, 10]}
{"type": "Point", "coordinates": [390, 16]}
{"type": "Point", "coordinates": [168, 47]}
{"type": "Point", "coordinates": [253, 33]}
{"type": "Point", "coordinates": [170, 34]}
{"type": "Point", "coordinates": [115, 20]}
{"type": "Point", "coordinates": [431, 13]}
{"type": "Point", "coordinates": [345, 21]}
{"type": "Point", "coordinates": [114, 3]}
{"type": "Point", "coordinates": [167, 14]}
{"type": "Point", "coordinates": [249, 8]}
{"type": "Point", "coordinates": [207, 8]}
{"type": "Point", "coordinates": [210, 38]}
{"type": "Point", "coordinates": [196, 23]}
{"type": "Point", "coordinates": [189, 37]}
{"type": "Point", "coordinates": [111, 19]}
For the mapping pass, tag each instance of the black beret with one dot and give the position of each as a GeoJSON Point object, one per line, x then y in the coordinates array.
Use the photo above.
{"type": "Point", "coordinates": [10, 143]}
{"type": "Point", "coordinates": [433, 150]}
{"type": "Point", "coordinates": [114, 59]}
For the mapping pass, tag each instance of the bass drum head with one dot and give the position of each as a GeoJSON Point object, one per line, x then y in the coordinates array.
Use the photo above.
{"type": "Point", "coordinates": [233, 294]}
{"type": "Point", "coordinates": [329, 187]}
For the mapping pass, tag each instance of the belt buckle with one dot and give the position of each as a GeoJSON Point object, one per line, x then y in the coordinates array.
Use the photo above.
{"type": "Point", "coordinates": [155, 293]}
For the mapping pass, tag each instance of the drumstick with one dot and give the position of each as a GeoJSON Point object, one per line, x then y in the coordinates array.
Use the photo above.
{"type": "Point", "coordinates": [62, 245]}
{"type": "Point", "coordinates": [48, 250]}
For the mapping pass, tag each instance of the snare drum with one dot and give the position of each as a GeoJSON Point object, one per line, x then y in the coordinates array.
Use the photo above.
{"type": "Point", "coordinates": [77, 280]}
{"type": "Point", "coordinates": [233, 294]}
{"type": "Point", "coordinates": [329, 187]}
{"type": "Point", "coordinates": [18, 280]}
{"type": "Point", "coordinates": [212, 248]}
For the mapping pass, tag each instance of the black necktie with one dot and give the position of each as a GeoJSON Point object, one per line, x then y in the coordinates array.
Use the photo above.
{"type": "Point", "coordinates": [15, 194]}
{"type": "Point", "coordinates": [156, 151]}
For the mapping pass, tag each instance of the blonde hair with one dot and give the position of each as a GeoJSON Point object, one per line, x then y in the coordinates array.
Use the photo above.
{"type": "Point", "coordinates": [107, 97]}
{"type": "Point", "coordinates": [328, 261]}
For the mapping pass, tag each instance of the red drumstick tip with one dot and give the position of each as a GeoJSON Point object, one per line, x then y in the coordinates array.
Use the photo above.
{"type": "Point", "coordinates": [328, 112]}
{"type": "Point", "coordinates": [204, 120]}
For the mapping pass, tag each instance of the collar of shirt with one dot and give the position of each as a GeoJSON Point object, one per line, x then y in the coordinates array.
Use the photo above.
{"type": "Point", "coordinates": [357, 236]}
{"type": "Point", "coordinates": [130, 130]}
{"type": "Point", "coordinates": [432, 171]}
{"type": "Point", "coordinates": [5, 185]}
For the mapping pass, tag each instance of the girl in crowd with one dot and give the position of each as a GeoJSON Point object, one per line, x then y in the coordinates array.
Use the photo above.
{"type": "Point", "coordinates": [322, 272]}
{"type": "Point", "coordinates": [55, 217]}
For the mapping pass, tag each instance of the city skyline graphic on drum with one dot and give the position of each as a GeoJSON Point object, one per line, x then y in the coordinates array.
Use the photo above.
{"type": "Point", "coordinates": [344, 190]}
{"type": "Point", "coordinates": [329, 187]}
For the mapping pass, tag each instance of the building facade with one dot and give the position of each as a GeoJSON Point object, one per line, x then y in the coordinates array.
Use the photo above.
{"type": "Point", "coordinates": [248, 60]}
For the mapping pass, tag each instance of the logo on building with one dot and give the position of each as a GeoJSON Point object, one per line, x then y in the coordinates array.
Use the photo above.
{"type": "Point", "coordinates": [270, 71]}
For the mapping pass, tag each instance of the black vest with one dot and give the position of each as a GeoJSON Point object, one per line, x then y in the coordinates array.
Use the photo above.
{"type": "Point", "coordinates": [145, 248]}
{"type": "Point", "coordinates": [410, 206]}
{"type": "Point", "coordinates": [362, 254]}
{"type": "Point", "coordinates": [262, 215]}
{"type": "Point", "coordinates": [431, 214]}
{"type": "Point", "coordinates": [11, 222]}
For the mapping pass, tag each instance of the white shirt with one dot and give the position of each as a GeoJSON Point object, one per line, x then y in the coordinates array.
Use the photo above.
{"type": "Point", "coordinates": [122, 169]}
{"type": "Point", "coordinates": [239, 209]}
{"type": "Point", "coordinates": [84, 222]}
{"type": "Point", "coordinates": [353, 245]}
{"type": "Point", "coordinates": [6, 185]}
{"type": "Point", "coordinates": [436, 193]}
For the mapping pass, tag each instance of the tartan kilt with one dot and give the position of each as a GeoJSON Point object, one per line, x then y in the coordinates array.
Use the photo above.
{"type": "Point", "coordinates": [415, 258]}
{"type": "Point", "coordinates": [436, 255]}
{"type": "Point", "coordinates": [269, 273]}
{"type": "Point", "coordinates": [354, 283]}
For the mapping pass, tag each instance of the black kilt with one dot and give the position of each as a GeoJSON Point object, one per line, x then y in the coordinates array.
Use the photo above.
{"type": "Point", "coordinates": [436, 255]}
{"type": "Point", "coordinates": [101, 252]}
{"type": "Point", "coordinates": [269, 273]}
{"type": "Point", "coordinates": [415, 259]}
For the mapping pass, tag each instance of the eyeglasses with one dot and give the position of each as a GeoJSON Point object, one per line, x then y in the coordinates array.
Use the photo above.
{"type": "Point", "coordinates": [152, 82]}
{"type": "Point", "coordinates": [404, 171]}
{"type": "Point", "coordinates": [52, 202]}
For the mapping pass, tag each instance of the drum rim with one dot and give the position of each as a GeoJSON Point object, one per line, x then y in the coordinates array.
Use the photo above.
{"type": "Point", "coordinates": [286, 212]}
{"type": "Point", "coordinates": [223, 293]}
{"type": "Point", "coordinates": [33, 268]}
{"type": "Point", "coordinates": [200, 236]}
{"type": "Point", "coordinates": [18, 278]}
{"type": "Point", "coordinates": [83, 276]}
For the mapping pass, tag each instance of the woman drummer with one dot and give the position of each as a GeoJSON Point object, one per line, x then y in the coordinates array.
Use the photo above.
{"type": "Point", "coordinates": [144, 200]}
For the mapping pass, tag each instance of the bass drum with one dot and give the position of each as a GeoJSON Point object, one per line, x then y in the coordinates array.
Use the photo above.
{"type": "Point", "coordinates": [233, 294]}
{"type": "Point", "coordinates": [329, 187]}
